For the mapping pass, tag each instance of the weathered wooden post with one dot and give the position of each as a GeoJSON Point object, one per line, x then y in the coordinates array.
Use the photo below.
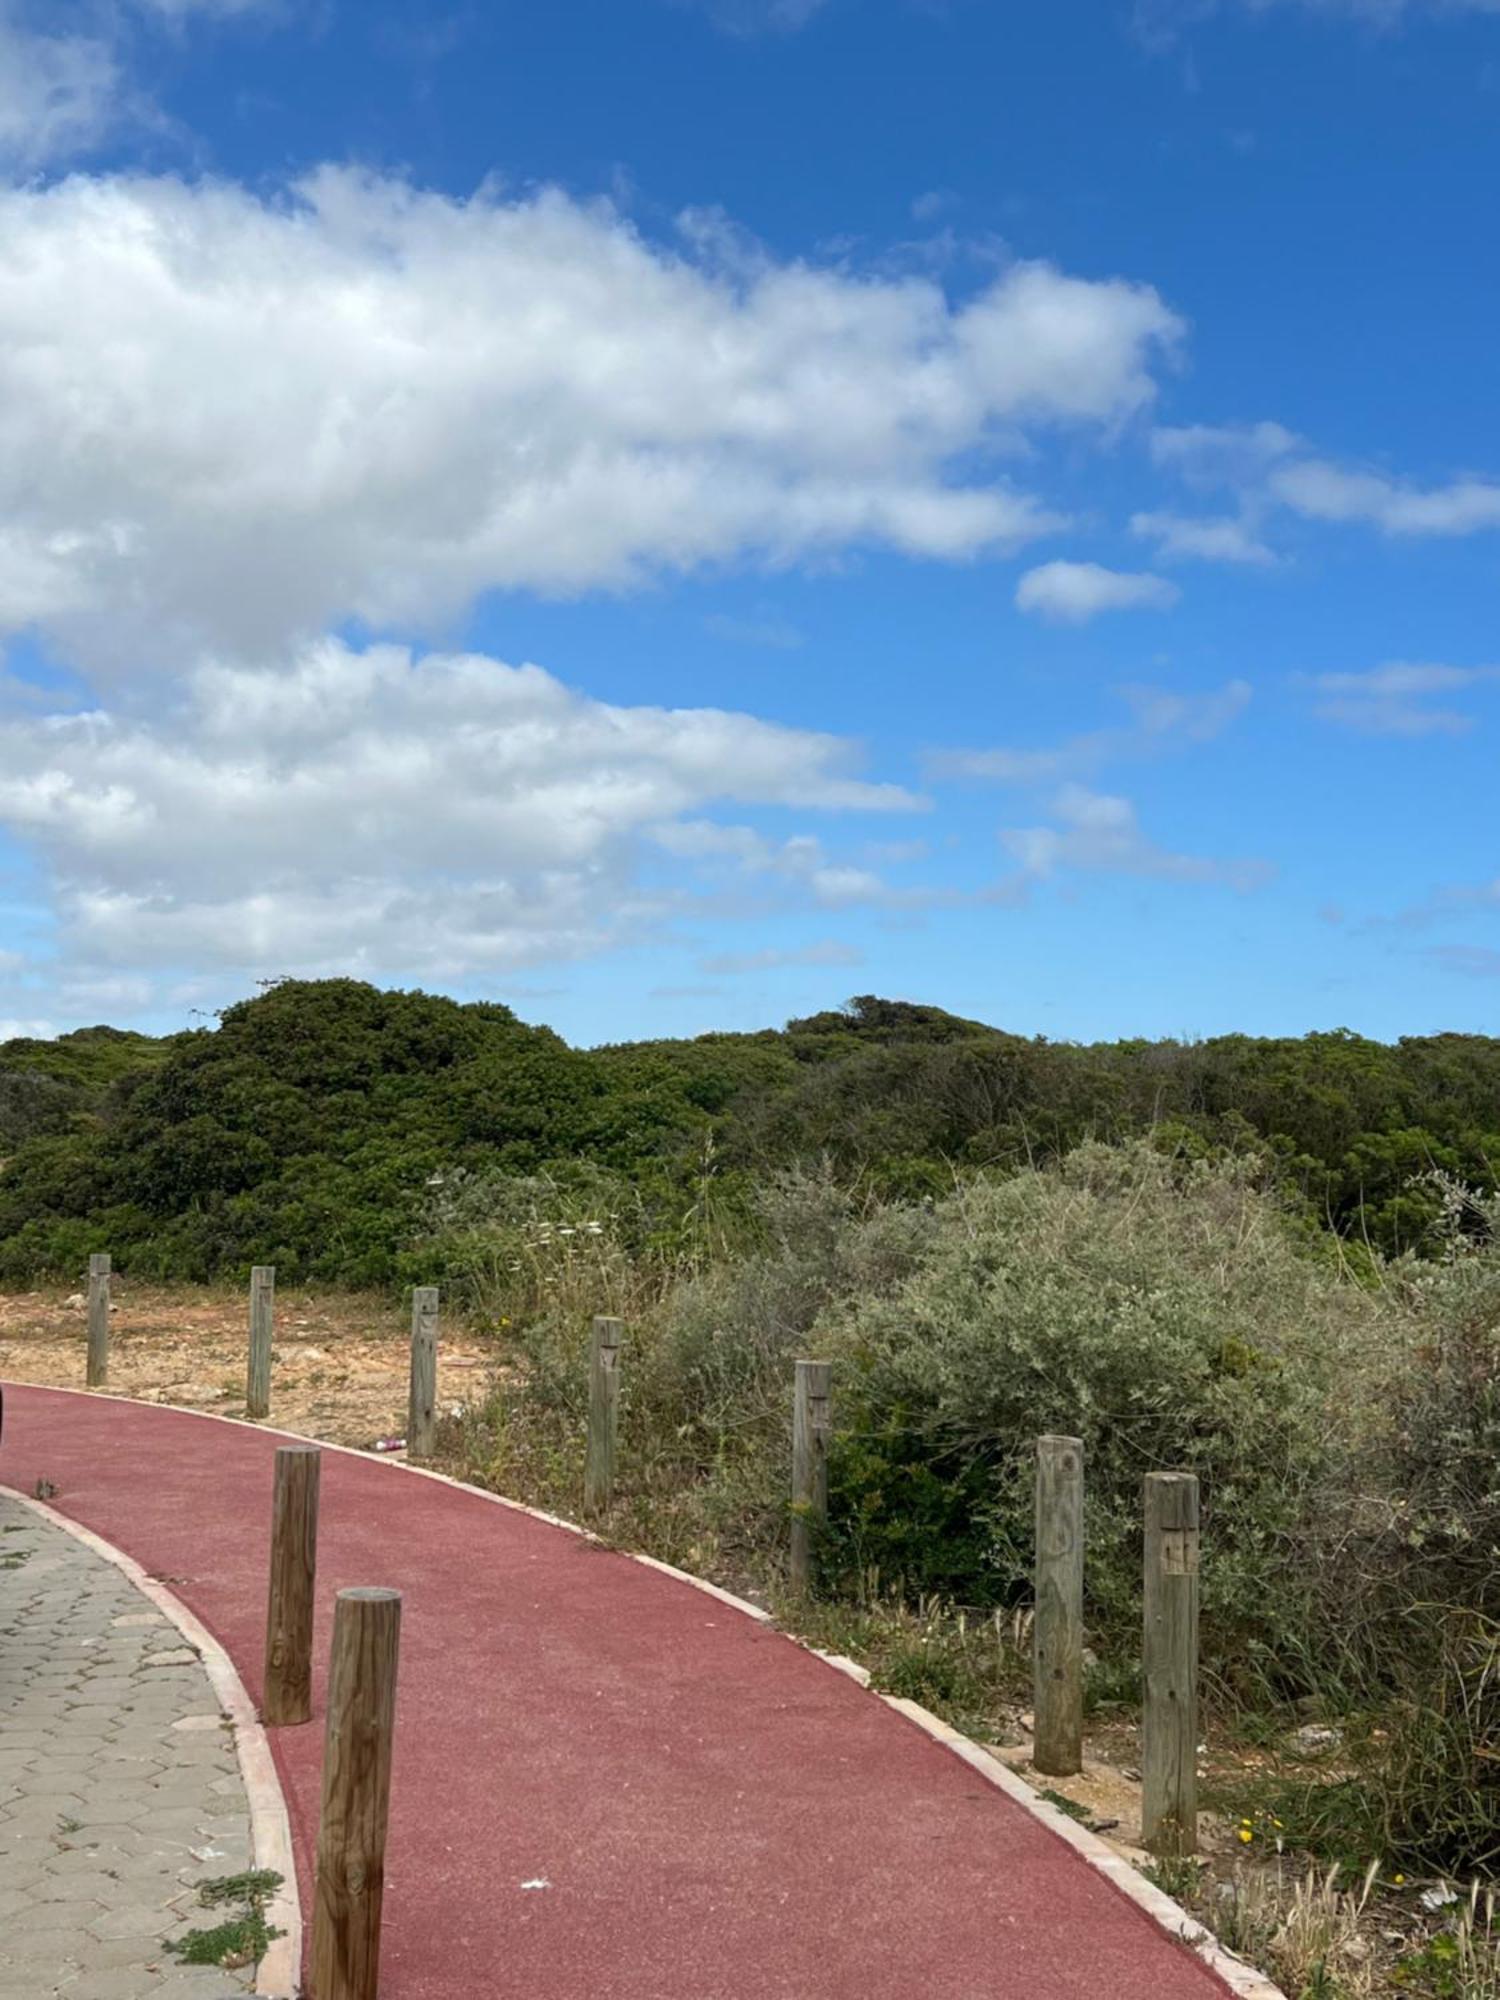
{"type": "Point", "coordinates": [289, 1602]}
{"type": "Point", "coordinates": [811, 1424]}
{"type": "Point", "coordinates": [1169, 1721]}
{"type": "Point", "coordinates": [356, 1795]}
{"type": "Point", "coordinates": [262, 1324]}
{"type": "Point", "coordinates": [1057, 1635]}
{"type": "Point", "coordinates": [604, 1411]}
{"type": "Point", "coordinates": [98, 1363]}
{"type": "Point", "coordinates": [421, 1409]}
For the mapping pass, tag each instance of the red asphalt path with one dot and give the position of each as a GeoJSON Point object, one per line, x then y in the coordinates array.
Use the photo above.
{"type": "Point", "coordinates": [715, 1812]}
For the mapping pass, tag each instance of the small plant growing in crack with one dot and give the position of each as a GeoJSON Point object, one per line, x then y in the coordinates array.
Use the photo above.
{"type": "Point", "coordinates": [241, 1937]}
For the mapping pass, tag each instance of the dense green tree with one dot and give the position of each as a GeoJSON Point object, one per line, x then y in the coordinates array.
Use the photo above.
{"type": "Point", "coordinates": [310, 1123]}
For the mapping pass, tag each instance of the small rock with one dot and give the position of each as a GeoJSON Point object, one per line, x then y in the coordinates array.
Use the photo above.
{"type": "Point", "coordinates": [1315, 1737]}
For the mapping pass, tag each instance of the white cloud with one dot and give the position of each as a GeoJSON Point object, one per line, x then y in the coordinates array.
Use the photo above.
{"type": "Point", "coordinates": [1384, 13]}
{"type": "Point", "coordinates": [801, 861]}
{"type": "Point", "coordinates": [1327, 492]}
{"type": "Point", "coordinates": [1215, 538]}
{"type": "Point", "coordinates": [776, 634]}
{"type": "Point", "coordinates": [1071, 593]}
{"type": "Point", "coordinates": [775, 958]}
{"type": "Point", "coordinates": [1160, 22]}
{"type": "Point", "coordinates": [433, 397]}
{"type": "Point", "coordinates": [1161, 720]}
{"type": "Point", "coordinates": [1221, 454]}
{"type": "Point", "coordinates": [64, 89]}
{"type": "Point", "coordinates": [1396, 699]}
{"type": "Point", "coordinates": [179, 10]}
{"type": "Point", "coordinates": [757, 17]}
{"type": "Point", "coordinates": [1099, 833]}
{"type": "Point", "coordinates": [365, 811]}
{"type": "Point", "coordinates": [13, 1029]}
{"type": "Point", "coordinates": [58, 92]}
{"type": "Point", "coordinates": [1266, 464]}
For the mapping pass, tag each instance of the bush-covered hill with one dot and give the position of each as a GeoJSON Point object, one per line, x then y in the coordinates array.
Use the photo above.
{"type": "Point", "coordinates": [311, 1126]}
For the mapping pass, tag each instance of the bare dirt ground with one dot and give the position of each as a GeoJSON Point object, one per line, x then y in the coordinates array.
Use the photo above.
{"type": "Point", "coordinates": [339, 1364]}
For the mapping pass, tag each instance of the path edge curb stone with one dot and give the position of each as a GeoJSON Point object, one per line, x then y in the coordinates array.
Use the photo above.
{"type": "Point", "coordinates": [278, 1975]}
{"type": "Point", "coordinates": [1241, 1978]}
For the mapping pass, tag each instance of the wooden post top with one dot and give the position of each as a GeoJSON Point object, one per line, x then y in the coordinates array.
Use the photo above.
{"type": "Point", "coordinates": [368, 1594]}
{"type": "Point", "coordinates": [1172, 1498]}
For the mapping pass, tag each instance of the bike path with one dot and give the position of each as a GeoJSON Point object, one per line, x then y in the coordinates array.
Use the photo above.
{"type": "Point", "coordinates": [606, 1782]}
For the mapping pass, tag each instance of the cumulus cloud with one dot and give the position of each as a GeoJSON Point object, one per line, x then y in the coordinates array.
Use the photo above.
{"type": "Point", "coordinates": [66, 71]}
{"type": "Point", "coordinates": [1162, 719]}
{"type": "Point", "coordinates": [1268, 465]}
{"type": "Point", "coordinates": [757, 17]}
{"type": "Point", "coordinates": [179, 10]}
{"type": "Point", "coordinates": [802, 862]}
{"type": "Point", "coordinates": [1327, 492]}
{"type": "Point", "coordinates": [434, 397]}
{"type": "Point", "coordinates": [58, 92]}
{"type": "Point", "coordinates": [1071, 593]}
{"type": "Point", "coordinates": [1397, 699]}
{"type": "Point", "coordinates": [368, 811]}
{"type": "Point", "coordinates": [1206, 538]}
{"type": "Point", "coordinates": [1096, 832]}
{"type": "Point", "coordinates": [778, 635]}
{"type": "Point", "coordinates": [1221, 454]}
{"type": "Point", "coordinates": [1159, 22]}
{"type": "Point", "coordinates": [774, 958]}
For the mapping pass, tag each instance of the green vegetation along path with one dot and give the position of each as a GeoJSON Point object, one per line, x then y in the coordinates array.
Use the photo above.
{"type": "Point", "coordinates": [606, 1781]}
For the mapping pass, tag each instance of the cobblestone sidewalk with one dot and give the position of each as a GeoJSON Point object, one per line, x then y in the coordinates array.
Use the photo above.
{"type": "Point", "coordinates": [119, 1789]}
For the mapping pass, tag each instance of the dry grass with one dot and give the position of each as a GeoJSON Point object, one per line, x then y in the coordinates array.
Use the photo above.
{"type": "Point", "coordinates": [340, 1363]}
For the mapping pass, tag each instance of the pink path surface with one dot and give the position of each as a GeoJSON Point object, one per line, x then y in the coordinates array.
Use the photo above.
{"type": "Point", "coordinates": [717, 1813]}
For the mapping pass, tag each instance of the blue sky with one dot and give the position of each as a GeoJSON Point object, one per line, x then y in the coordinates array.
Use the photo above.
{"type": "Point", "coordinates": [671, 513]}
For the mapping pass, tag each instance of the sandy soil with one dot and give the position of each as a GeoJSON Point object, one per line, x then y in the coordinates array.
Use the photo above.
{"type": "Point", "coordinates": [339, 1364]}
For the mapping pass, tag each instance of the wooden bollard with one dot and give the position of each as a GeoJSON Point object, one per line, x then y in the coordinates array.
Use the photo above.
{"type": "Point", "coordinates": [262, 1326]}
{"type": "Point", "coordinates": [98, 1362]}
{"type": "Point", "coordinates": [421, 1409]}
{"type": "Point", "coordinates": [1169, 1721]}
{"type": "Point", "coordinates": [811, 1423]}
{"type": "Point", "coordinates": [604, 1412]}
{"type": "Point", "coordinates": [1057, 1635]}
{"type": "Point", "coordinates": [289, 1603]}
{"type": "Point", "coordinates": [356, 1795]}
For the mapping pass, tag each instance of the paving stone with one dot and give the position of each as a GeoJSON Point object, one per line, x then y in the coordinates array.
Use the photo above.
{"type": "Point", "coordinates": [119, 1790]}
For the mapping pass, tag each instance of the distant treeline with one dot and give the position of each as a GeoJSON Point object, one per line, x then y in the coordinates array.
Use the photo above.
{"type": "Point", "coordinates": [310, 1127]}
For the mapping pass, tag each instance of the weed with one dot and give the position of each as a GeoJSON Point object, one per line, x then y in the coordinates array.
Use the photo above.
{"type": "Point", "coordinates": [1461, 1962]}
{"type": "Point", "coordinates": [1176, 1876]}
{"type": "Point", "coordinates": [240, 1939]}
{"type": "Point", "coordinates": [1069, 1806]}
